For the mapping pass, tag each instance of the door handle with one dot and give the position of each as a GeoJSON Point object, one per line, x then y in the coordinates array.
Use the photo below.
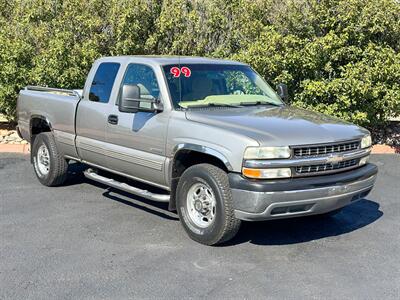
{"type": "Point", "coordinates": [113, 119]}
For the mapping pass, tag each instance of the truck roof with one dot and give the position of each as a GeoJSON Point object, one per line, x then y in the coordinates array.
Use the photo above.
{"type": "Point", "coordinates": [167, 60]}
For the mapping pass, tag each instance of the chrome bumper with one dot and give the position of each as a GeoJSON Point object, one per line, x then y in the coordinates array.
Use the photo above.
{"type": "Point", "coordinates": [254, 205]}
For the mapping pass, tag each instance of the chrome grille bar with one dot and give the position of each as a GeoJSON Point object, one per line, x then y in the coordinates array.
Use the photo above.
{"type": "Point", "coordinates": [318, 150]}
{"type": "Point", "coordinates": [326, 167]}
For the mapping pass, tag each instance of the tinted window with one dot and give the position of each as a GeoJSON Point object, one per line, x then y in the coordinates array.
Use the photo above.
{"type": "Point", "coordinates": [103, 82]}
{"type": "Point", "coordinates": [144, 77]}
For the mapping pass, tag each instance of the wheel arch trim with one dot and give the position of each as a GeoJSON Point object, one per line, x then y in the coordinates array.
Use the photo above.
{"type": "Point", "coordinates": [202, 149]}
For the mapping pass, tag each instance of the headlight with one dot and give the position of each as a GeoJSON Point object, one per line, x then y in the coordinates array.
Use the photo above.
{"type": "Point", "coordinates": [267, 173]}
{"type": "Point", "coordinates": [366, 141]}
{"type": "Point", "coordinates": [267, 152]}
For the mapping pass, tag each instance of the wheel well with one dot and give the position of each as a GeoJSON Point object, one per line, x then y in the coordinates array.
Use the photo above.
{"type": "Point", "coordinates": [185, 159]}
{"type": "Point", "coordinates": [39, 125]}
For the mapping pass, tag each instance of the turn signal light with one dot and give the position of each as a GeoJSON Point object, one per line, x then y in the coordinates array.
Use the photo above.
{"type": "Point", "coordinates": [267, 173]}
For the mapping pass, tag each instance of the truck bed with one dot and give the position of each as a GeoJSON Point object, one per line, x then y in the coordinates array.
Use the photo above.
{"type": "Point", "coordinates": [60, 109]}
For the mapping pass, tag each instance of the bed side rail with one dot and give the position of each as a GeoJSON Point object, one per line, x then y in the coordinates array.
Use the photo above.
{"type": "Point", "coordinates": [52, 90]}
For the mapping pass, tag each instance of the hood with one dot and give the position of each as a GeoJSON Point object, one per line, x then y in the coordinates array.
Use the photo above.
{"type": "Point", "coordinates": [278, 126]}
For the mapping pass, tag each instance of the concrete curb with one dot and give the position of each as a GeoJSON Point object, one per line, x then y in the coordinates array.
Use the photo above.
{"type": "Point", "coordinates": [385, 149]}
{"type": "Point", "coordinates": [25, 148]}
{"type": "Point", "coordinates": [15, 148]}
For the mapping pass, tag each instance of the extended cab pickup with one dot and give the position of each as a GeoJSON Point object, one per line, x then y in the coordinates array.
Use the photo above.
{"type": "Point", "coordinates": [208, 136]}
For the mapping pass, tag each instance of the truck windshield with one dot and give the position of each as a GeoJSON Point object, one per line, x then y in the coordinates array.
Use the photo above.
{"type": "Point", "coordinates": [198, 85]}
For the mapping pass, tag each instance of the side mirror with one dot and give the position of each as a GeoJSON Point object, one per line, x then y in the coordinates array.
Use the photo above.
{"type": "Point", "coordinates": [282, 91]}
{"type": "Point", "coordinates": [131, 98]}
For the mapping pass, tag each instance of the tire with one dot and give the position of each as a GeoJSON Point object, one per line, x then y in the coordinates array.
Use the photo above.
{"type": "Point", "coordinates": [209, 185]}
{"type": "Point", "coordinates": [50, 167]}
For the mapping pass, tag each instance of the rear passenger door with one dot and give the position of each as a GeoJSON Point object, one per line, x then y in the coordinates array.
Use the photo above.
{"type": "Point", "coordinates": [92, 113]}
{"type": "Point", "coordinates": [137, 140]}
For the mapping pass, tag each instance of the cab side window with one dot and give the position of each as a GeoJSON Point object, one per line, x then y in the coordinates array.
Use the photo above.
{"type": "Point", "coordinates": [144, 77]}
{"type": "Point", "coordinates": [103, 82]}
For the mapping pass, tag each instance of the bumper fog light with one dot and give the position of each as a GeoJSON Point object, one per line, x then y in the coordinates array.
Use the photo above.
{"type": "Point", "coordinates": [363, 160]}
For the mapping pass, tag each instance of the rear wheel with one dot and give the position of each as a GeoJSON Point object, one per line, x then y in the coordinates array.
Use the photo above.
{"type": "Point", "coordinates": [49, 165]}
{"type": "Point", "coordinates": [204, 203]}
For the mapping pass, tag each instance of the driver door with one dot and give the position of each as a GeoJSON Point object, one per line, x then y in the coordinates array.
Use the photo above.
{"type": "Point", "coordinates": [137, 140]}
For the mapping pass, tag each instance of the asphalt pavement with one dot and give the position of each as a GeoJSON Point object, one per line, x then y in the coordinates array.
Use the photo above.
{"type": "Point", "coordinates": [84, 241]}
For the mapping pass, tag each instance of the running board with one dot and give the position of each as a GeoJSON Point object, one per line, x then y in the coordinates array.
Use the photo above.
{"type": "Point", "coordinates": [91, 174]}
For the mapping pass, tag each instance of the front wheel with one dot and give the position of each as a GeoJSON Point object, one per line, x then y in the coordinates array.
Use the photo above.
{"type": "Point", "coordinates": [50, 166]}
{"type": "Point", "coordinates": [204, 203]}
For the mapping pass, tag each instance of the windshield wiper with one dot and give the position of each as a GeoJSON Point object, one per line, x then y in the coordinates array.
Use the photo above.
{"type": "Point", "coordinates": [212, 105]}
{"type": "Point", "coordinates": [255, 103]}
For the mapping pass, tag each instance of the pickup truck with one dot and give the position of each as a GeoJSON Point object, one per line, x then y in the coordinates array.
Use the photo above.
{"type": "Point", "coordinates": [208, 136]}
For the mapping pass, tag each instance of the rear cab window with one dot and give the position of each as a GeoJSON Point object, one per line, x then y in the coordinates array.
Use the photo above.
{"type": "Point", "coordinates": [103, 82]}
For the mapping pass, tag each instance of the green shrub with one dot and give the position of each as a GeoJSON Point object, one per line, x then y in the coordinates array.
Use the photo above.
{"type": "Point", "coordinates": [15, 64]}
{"type": "Point", "coordinates": [338, 57]}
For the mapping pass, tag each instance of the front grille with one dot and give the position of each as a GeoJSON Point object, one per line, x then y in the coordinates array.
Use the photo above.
{"type": "Point", "coordinates": [326, 167]}
{"type": "Point", "coordinates": [325, 149]}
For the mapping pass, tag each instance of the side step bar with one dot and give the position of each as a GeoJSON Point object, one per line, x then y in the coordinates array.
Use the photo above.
{"type": "Point", "coordinates": [91, 174]}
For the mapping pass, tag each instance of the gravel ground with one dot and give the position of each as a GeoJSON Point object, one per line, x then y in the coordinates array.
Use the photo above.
{"type": "Point", "coordinates": [83, 241]}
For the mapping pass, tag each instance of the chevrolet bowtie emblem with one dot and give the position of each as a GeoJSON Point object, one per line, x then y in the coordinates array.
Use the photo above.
{"type": "Point", "coordinates": [334, 159]}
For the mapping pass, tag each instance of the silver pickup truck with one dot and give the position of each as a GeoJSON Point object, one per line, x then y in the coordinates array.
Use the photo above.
{"type": "Point", "coordinates": [208, 136]}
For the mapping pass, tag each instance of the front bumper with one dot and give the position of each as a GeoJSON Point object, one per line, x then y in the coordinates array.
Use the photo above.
{"type": "Point", "coordinates": [256, 200]}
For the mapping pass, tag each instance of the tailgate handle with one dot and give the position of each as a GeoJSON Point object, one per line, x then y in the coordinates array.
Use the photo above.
{"type": "Point", "coordinates": [113, 119]}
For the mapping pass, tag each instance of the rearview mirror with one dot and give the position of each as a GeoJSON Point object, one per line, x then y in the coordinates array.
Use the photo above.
{"type": "Point", "coordinates": [131, 98]}
{"type": "Point", "coordinates": [282, 91]}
